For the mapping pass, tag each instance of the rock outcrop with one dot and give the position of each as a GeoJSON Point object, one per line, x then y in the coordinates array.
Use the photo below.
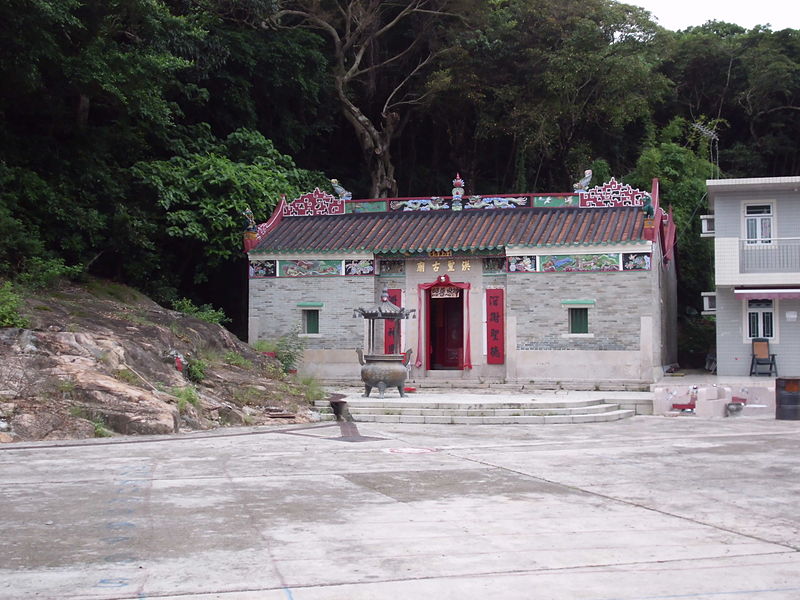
{"type": "Point", "coordinates": [104, 360]}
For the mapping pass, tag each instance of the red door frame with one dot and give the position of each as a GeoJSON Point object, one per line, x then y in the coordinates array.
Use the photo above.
{"type": "Point", "coordinates": [429, 346]}
{"type": "Point", "coordinates": [441, 281]}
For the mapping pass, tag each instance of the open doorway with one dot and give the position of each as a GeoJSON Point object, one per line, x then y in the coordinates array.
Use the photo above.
{"type": "Point", "coordinates": [446, 332]}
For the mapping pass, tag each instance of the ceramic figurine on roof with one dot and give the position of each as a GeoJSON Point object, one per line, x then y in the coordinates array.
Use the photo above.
{"type": "Point", "coordinates": [583, 184]}
{"type": "Point", "coordinates": [340, 191]}
{"type": "Point", "coordinates": [249, 220]}
{"type": "Point", "coordinates": [458, 192]}
{"type": "Point", "coordinates": [647, 208]}
{"type": "Point", "coordinates": [250, 233]}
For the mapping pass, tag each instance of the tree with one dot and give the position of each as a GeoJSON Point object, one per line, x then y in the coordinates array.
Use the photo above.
{"type": "Point", "coordinates": [553, 85]}
{"type": "Point", "coordinates": [749, 82]}
{"type": "Point", "coordinates": [675, 158]}
{"type": "Point", "coordinates": [381, 51]}
{"type": "Point", "coordinates": [202, 197]}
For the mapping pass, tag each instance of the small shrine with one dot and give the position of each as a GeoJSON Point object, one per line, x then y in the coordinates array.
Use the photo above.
{"type": "Point", "coordinates": [575, 285]}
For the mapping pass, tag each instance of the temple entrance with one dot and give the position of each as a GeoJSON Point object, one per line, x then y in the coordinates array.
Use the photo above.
{"type": "Point", "coordinates": [445, 329]}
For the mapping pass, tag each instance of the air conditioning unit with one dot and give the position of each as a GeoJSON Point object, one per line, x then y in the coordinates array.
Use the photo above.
{"type": "Point", "coordinates": [709, 303]}
{"type": "Point", "coordinates": [707, 226]}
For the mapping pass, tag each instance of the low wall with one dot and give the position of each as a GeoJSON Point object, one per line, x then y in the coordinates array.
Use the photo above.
{"type": "Point", "coordinates": [331, 364]}
{"type": "Point", "coordinates": [711, 400]}
{"type": "Point", "coordinates": [584, 366]}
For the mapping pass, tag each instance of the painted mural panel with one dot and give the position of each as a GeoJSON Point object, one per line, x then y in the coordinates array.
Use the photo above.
{"type": "Point", "coordinates": [636, 261]}
{"type": "Point", "coordinates": [262, 268]}
{"type": "Point", "coordinates": [309, 268]}
{"type": "Point", "coordinates": [366, 207]}
{"type": "Point", "coordinates": [554, 201]}
{"type": "Point", "coordinates": [521, 264]}
{"type": "Point", "coordinates": [359, 267]}
{"type": "Point", "coordinates": [580, 262]}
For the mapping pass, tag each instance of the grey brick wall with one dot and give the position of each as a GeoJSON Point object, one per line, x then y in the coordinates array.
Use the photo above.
{"type": "Point", "coordinates": [614, 320]}
{"type": "Point", "coordinates": [339, 296]}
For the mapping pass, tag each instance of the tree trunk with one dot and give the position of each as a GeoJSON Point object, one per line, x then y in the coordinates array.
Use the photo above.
{"type": "Point", "coordinates": [375, 145]}
{"type": "Point", "coordinates": [82, 111]}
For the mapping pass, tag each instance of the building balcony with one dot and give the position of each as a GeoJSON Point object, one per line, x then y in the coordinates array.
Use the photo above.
{"type": "Point", "coordinates": [780, 255]}
{"type": "Point", "coordinates": [755, 263]}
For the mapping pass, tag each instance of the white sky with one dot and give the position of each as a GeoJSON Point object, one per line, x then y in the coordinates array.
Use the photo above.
{"type": "Point", "coordinates": [680, 14]}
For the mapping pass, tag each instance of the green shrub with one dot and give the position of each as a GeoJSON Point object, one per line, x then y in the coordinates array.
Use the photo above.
{"type": "Point", "coordinates": [237, 360]}
{"type": "Point", "coordinates": [312, 390]}
{"type": "Point", "coordinates": [100, 429]}
{"type": "Point", "coordinates": [206, 312]}
{"type": "Point", "coordinates": [127, 376]}
{"type": "Point", "coordinates": [43, 272]}
{"type": "Point", "coordinates": [10, 303]}
{"type": "Point", "coordinates": [265, 346]}
{"type": "Point", "coordinates": [290, 349]}
{"type": "Point", "coordinates": [185, 395]}
{"type": "Point", "coordinates": [196, 370]}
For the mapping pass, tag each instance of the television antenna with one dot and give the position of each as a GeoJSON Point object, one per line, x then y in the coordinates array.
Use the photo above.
{"type": "Point", "coordinates": [713, 146]}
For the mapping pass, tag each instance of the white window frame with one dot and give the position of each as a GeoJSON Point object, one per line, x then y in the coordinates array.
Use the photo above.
{"type": "Point", "coordinates": [760, 312]}
{"type": "Point", "coordinates": [587, 304]}
{"type": "Point", "coordinates": [758, 219]}
{"type": "Point", "coordinates": [304, 307]}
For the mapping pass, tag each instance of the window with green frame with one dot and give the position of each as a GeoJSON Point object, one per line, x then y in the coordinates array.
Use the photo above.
{"type": "Point", "coordinates": [311, 321]}
{"type": "Point", "coordinates": [579, 320]}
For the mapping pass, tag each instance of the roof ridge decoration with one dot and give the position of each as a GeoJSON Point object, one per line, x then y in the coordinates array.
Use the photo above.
{"type": "Point", "coordinates": [612, 194]}
{"type": "Point", "coordinates": [314, 204]}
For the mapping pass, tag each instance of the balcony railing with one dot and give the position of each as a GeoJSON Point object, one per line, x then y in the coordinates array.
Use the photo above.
{"type": "Point", "coordinates": [780, 255]}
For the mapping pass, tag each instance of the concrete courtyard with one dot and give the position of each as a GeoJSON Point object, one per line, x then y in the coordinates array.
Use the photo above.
{"type": "Point", "coordinates": [641, 509]}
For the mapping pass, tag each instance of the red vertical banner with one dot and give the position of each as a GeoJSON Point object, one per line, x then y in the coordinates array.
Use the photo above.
{"type": "Point", "coordinates": [495, 327]}
{"type": "Point", "coordinates": [391, 330]}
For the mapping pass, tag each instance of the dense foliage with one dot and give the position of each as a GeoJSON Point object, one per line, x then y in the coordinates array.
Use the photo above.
{"type": "Point", "coordinates": [134, 133]}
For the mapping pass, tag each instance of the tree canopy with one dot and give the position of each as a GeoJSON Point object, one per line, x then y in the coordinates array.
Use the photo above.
{"type": "Point", "coordinates": [133, 134]}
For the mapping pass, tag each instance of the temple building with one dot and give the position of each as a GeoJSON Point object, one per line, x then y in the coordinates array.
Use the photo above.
{"type": "Point", "coordinates": [565, 288]}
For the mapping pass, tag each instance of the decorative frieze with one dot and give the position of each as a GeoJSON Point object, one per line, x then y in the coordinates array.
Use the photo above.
{"type": "Point", "coordinates": [612, 194]}
{"type": "Point", "coordinates": [313, 204]}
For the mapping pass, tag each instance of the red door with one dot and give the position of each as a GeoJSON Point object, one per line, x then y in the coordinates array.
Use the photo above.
{"type": "Point", "coordinates": [446, 333]}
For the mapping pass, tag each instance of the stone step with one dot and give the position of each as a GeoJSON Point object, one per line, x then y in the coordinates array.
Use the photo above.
{"type": "Point", "coordinates": [485, 403]}
{"type": "Point", "coordinates": [482, 411]}
{"type": "Point", "coordinates": [614, 415]}
{"type": "Point", "coordinates": [500, 384]}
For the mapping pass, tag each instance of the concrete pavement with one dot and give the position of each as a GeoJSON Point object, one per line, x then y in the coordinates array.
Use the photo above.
{"type": "Point", "coordinates": [641, 509]}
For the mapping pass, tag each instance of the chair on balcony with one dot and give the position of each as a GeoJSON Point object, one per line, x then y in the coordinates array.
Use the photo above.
{"type": "Point", "coordinates": [762, 358]}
